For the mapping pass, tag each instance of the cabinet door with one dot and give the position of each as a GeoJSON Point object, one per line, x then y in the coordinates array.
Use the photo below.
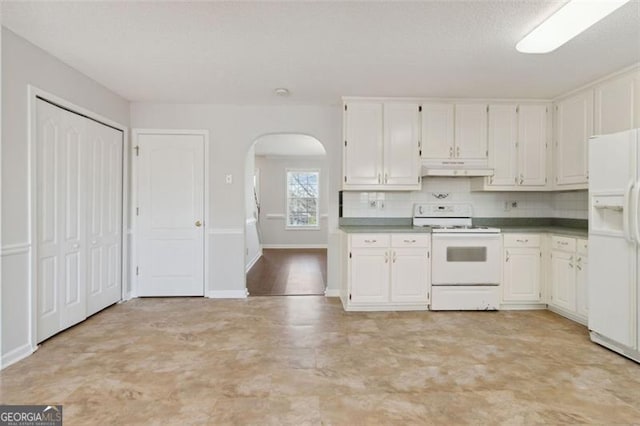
{"type": "Point", "coordinates": [471, 131]}
{"type": "Point", "coordinates": [437, 131]}
{"type": "Point", "coordinates": [410, 275]}
{"type": "Point", "coordinates": [363, 144]}
{"type": "Point", "coordinates": [503, 157]}
{"type": "Point", "coordinates": [521, 275]}
{"type": "Point", "coordinates": [563, 280]}
{"type": "Point", "coordinates": [401, 144]}
{"type": "Point", "coordinates": [574, 126]}
{"type": "Point", "coordinates": [614, 109]}
{"type": "Point", "coordinates": [369, 275]}
{"type": "Point", "coordinates": [532, 145]}
{"type": "Point", "coordinates": [582, 301]}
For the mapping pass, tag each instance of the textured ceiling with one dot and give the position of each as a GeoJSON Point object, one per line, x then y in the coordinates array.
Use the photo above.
{"type": "Point", "coordinates": [289, 145]}
{"type": "Point", "coordinates": [238, 52]}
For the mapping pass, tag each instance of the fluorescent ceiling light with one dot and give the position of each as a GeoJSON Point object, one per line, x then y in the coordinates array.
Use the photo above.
{"type": "Point", "coordinates": [569, 21]}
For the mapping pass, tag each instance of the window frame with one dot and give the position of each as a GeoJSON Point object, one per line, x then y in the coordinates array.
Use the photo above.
{"type": "Point", "coordinates": [289, 227]}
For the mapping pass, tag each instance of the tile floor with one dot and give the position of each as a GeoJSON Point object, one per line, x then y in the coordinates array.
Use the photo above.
{"type": "Point", "coordinates": [303, 360]}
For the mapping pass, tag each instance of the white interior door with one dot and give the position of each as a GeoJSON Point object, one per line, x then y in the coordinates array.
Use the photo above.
{"type": "Point", "coordinates": [104, 279]}
{"type": "Point", "coordinates": [60, 232]}
{"type": "Point", "coordinates": [170, 215]}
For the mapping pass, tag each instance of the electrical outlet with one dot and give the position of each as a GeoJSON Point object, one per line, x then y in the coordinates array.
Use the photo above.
{"type": "Point", "coordinates": [228, 179]}
{"type": "Point", "coordinates": [507, 206]}
{"type": "Point", "coordinates": [514, 204]}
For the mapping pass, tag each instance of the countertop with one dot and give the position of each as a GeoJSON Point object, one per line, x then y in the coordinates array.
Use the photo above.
{"type": "Point", "coordinates": [568, 227]}
{"type": "Point", "coordinates": [385, 229]}
{"type": "Point", "coordinates": [560, 230]}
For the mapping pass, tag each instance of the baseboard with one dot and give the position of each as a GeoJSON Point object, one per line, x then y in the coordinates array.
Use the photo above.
{"type": "Point", "coordinates": [253, 261]}
{"type": "Point", "coordinates": [522, 306]}
{"type": "Point", "coordinates": [227, 294]}
{"type": "Point", "coordinates": [16, 355]}
{"type": "Point", "coordinates": [568, 315]}
{"type": "Point", "coordinates": [294, 246]}
{"type": "Point", "coordinates": [332, 292]}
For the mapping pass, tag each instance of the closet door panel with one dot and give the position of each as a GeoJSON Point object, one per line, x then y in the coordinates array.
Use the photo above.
{"type": "Point", "coordinates": [72, 214]}
{"type": "Point", "coordinates": [60, 265]}
{"type": "Point", "coordinates": [105, 217]}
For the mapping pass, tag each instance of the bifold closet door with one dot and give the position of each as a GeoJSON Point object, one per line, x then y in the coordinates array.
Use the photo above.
{"type": "Point", "coordinates": [61, 219]}
{"type": "Point", "coordinates": [104, 211]}
{"type": "Point", "coordinates": [78, 218]}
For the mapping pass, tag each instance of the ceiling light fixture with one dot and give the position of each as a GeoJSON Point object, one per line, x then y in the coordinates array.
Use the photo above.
{"type": "Point", "coordinates": [281, 91]}
{"type": "Point", "coordinates": [569, 21]}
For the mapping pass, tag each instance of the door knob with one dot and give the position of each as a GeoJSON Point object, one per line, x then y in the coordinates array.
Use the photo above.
{"type": "Point", "coordinates": [198, 223]}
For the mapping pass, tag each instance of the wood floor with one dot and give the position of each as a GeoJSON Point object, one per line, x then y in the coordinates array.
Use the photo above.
{"type": "Point", "coordinates": [289, 272]}
{"type": "Point", "coordinates": [304, 361]}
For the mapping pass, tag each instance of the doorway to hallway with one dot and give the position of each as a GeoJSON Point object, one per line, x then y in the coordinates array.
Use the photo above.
{"type": "Point", "coordinates": [289, 272]}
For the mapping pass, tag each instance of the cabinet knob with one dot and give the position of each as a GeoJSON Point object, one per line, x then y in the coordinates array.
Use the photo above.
{"type": "Point", "coordinates": [198, 223]}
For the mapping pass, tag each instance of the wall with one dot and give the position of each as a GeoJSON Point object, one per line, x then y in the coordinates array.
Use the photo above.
{"type": "Point", "coordinates": [24, 64]}
{"type": "Point", "coordinates": [571, 204]}
{"type": "Point", "coordinates": [273, 202]}
{"type": "Point", "coordinates": [233, 129]}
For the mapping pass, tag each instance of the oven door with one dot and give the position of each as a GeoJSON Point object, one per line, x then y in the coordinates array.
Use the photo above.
{"type": "Point", "coordinates": [466, 259]}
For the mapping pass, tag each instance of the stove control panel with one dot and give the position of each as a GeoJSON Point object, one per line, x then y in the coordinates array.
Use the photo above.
{"type": "Point", "coordinates": [443, 210]}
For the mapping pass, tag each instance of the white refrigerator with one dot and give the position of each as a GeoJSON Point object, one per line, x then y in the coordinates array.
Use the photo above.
{"type": "Point", "coordinates": [614, 241]}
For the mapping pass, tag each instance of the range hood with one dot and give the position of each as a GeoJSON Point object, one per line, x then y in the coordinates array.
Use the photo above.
{"type": "Point", "coordinates": [455, 168]}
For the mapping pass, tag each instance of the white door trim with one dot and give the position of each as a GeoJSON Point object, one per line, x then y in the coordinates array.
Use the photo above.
{"type": "Point", "coordinates": [33, 93]}
{"type": "Point", "coordinates": [135, 134]}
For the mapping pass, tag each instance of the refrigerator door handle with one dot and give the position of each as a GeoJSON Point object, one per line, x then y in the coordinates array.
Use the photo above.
{"type": "Point", "coordinates": [635, 211]}
{"type": "Point", "coordinates": [626, 213]}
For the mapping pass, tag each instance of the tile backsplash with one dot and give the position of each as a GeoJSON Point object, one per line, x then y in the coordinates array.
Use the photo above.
{"type": "Point", "coordinates": [569, 204]}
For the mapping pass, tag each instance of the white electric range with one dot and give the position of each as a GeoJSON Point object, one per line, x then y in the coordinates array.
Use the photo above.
{"type": "Point", "coordinates": [466, 261]}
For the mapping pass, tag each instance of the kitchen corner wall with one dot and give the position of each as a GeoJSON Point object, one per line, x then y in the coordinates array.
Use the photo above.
{"type": "Point", "coordinates": [570, 204]}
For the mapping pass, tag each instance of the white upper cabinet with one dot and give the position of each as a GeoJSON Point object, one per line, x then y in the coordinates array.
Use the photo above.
{"type": "Point", "coordinates": [437, 131]}
{"type": "Point", "coordinates": [470, 131]}
{"type": "Point", "coordinates": [517, 148]}
{"type": "Point", "coordinates": [363, 144]}
{"type": "Point", "coordinates": [381, 146]}
{"type": "Point", "coordinates": [401, 144]}
{"type": "Point", "coordinates": [532, 145]}
{"type": "Point", "coordinates": [574, 127]}
{"type": "Point", "coordinates": [617, 104]}
{"type": "Point", "coordinates": [503, 133]}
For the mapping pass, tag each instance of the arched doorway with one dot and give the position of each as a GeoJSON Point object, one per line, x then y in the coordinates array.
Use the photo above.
{"type": "Point", "coordinates": [286, 203]}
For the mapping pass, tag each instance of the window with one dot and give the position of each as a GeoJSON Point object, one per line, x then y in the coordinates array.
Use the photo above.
{"type": "Point", "coordinates": [302, 198]}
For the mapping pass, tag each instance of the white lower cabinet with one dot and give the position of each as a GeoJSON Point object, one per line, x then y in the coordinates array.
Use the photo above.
{"type": "Point", "coordinates": [387, 272]}
{"type": "Point", "coordinates": [369, 275]}
{"type": "Point", "coordinates": [409, 275]}
{"type": "Point", "coordinates": [522, 270]}
{"type": "Point", "coordinates": [568, 276]}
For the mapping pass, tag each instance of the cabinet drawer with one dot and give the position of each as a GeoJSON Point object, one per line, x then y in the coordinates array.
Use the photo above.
{"type": "Point", "coordinates": [563, 243]}
{"type": "Point", "coordinates": [583, 247]}
{"type": "Point", "coordinates": [521, 240]}
{"type": "Point", "coordinates": [410, 240]}
{"type": "Point", "coordinates": [370, 240]}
